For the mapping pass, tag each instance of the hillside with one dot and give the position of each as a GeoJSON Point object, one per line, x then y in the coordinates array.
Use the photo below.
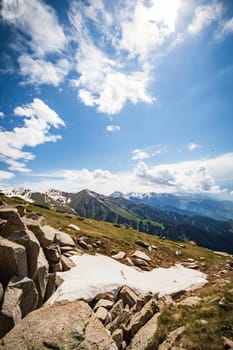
{"type": "Point", "coordinates": [199, 205]}
{"type": "Point", "coordinates": [204, 315]}
{"type": "Point", "coordinates": [205, 231]}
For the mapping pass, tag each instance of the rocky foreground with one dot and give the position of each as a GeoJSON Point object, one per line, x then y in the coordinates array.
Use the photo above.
{"type": "Point", "coordinates": [32, 255]}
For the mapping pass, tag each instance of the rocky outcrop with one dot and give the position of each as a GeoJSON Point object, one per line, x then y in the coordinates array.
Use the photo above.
{"type": "Point", "coordinates": [19, 299]}
{"type": "Point", "coordinates": [29, 251]}
{"type": "Point", "coordinates": [144, 339]}
{"type": "Point", "coordinates": [13, 260]}
{"type": "Point", "coordinates": [66, 325]}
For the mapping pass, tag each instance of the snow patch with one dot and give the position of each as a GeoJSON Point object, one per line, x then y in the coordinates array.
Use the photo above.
{"type": "Point", "coordinates": [99, 274]}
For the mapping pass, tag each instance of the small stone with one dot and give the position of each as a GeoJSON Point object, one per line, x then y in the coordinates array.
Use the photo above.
{"type": "Point", "coordinates": [141, 255]}
{"type": "Point", "coordinates": [119, 256]}
{"type": "Point", "coordinates": [117, 336]}
{"type": "Point", "coordinates": [128, 296]}
{"type": "Point", "coordinates": [101, 314]}
{"type": "Point", "coordinates": [142, 243]}
{"type": "Point", "coordinates": [107, 304]}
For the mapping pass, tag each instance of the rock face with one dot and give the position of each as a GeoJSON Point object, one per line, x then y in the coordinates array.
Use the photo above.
{"type": "Point", "coordinates": [19, 299]}
{"type": "Point", "coordinates": [13, 260]}
{"type": "Point", "coordinates": [66, 325]}
{"type": "Point", "coordinates": [145, 337]}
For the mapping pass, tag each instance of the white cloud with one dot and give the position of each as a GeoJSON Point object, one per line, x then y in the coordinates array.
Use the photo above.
{"type": "Point", "coordinates": [192, 146]}
{"type": "Point", "coordinates": [182, 177]}
{"type": "Point", "coordinates": [225, 28]}
{"type": "Point", "coordinates": [41, 71]}
{"type": "Point", "coordinates": [112, 128]}
{"type": "Point", "coordinates": [147, 26]}
{"type": "Point", "coordinates": [36, 20]}
{"type": "Point", "coordinates": [2, 115]}
{"type": "Point", "coordinates": [102, 84]}
{"type": "Point", "coordinates": [39, 119]}
{"type": "Point", "coordinates": [5, 175]}
{"type": "Point", "coordinates": [151, 151]}
{"type": "Point", "coordinates": [138, 154]}
{"type": "Point", "coordinates": [210, 176]}
{"type": "Point", "coordinates": [204, 16]}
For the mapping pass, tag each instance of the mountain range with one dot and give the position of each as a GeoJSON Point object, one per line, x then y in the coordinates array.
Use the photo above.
{"type": "Point", "coordinates": [166, 215]}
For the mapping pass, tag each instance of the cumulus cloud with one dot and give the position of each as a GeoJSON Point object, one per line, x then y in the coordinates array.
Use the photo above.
{"type": "Point", "coordinates": [204, 16]}
{"type": "Point", "coordinates": [112, 128]}
{"type": "Point", "coordinates": [36, 20]}
{"type": "Point", "coordinates": [41, 71]}
{"type": "Point", "coordinates": [38, 120]}
{"type": "Point", "coordinates": [101, 82]}
{"type": "Point", "coordinates": [182, 177]}
{"type": "Point", "coordinates": [148, 26]}
{"type": "Point", "coordinates": [210, 176]}
{"type": "Point", "coordinates": [2, 115]}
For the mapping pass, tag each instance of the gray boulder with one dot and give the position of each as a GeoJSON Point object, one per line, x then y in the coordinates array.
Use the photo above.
{"type": "Point", "coordinates": [19, 299]}
{"type": "Point", "coordinates": [7, 211]}
{"type": "Point", "coordinates": [171, 338]}
{"type": "Point", "coordinates": [63, 239]}
{"type": "Point", "coordinates": [13, 260]}
{"type": "Point", "coordinates": [46, 235]}
{"type": "Point", "coordinates": [13, 224]}
{"type": "Point", "coordinates": [144, 339]}
{"type": "Point", "coordinates": [65, 325]}
{"type": "Point", "coordinates": [41, 276]}
{"type": "Point", "coordinates": [1, 293]}
{"type": "Point", "coordinates": [140, 318]}
{"type": "Point", "coordinates": [53, 253]}
{"type": "Point", "coordinates": [32, 245]}
{"type": "Point", "coordinates": [67, 263]}
{"type": "Point", "coordinates": [128, 296]}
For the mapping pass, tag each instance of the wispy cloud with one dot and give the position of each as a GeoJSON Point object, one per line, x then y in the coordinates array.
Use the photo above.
{"type": "Point", "coordinates": [151, 151]}
{"type": "Point", "coordinates": [204, 16]}
{"type": "Point", "coordinates": [225, 28]}
{"type": "Point", "coordinates": [38, 120]}
{"type": "Point", "coordinates": [138, 154]}
{"type": "Point", "coordinates": [41, 71]}
{"type": "Point", "coordinates": [112, 128]}
{"type": "Point", "coordinates": [38, 21]}
{"type": "Point", "coordinates": [2, 115]}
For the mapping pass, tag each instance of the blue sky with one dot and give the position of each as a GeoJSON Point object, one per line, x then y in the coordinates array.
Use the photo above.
{"type": "Point", "coordinates": [117, 95]}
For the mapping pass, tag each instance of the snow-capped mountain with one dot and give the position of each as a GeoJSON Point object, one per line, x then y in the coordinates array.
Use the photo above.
{"type": "Point", "coordinates": [22, 192]}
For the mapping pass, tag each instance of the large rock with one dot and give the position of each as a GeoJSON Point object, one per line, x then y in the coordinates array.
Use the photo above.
{"type": "Point", "coordinates": [117, 309]}
{"type": "Point", "coordinates": [1, 293]}
{"type": "Point", "coordinates": [66, 325]}
{"type": "Point", "coordinates": [53, 253]}
{"type": "Point", "coordinates": [13, 260]}
{"type": "Point", "coordinates": [19, 299]}
{"type": "Point", "coordinates": [13, 224]}
{"type": "Point", "coordinates": [128, 296]}
{"type": "Point", "coordinates": [51, 286]}
{"type": "Point", "coordinates": [7, 211]}
{"type": "Point", "coordinates": [67, 263]}
{"type": "Point", "coordinates": [145, 339]}
{"type": "Point", "coordinates": [32, 245]}
{"type": "Point", "coordinates": [41, 276]}
{"type": "Point", "coordinates": [45, 235]}
{"type": "Point", "coordinates": [140, 318]}
{"type": "Point", "coordinates": [171, 338]}
{"type": "Point", "coordinates": [120, 321]}
{"type": "Point", "coordinates": [63, 239]}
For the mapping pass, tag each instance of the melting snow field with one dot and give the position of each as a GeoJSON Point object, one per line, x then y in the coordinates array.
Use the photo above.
{"type": "Point", "coordinates": [98, 274]}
